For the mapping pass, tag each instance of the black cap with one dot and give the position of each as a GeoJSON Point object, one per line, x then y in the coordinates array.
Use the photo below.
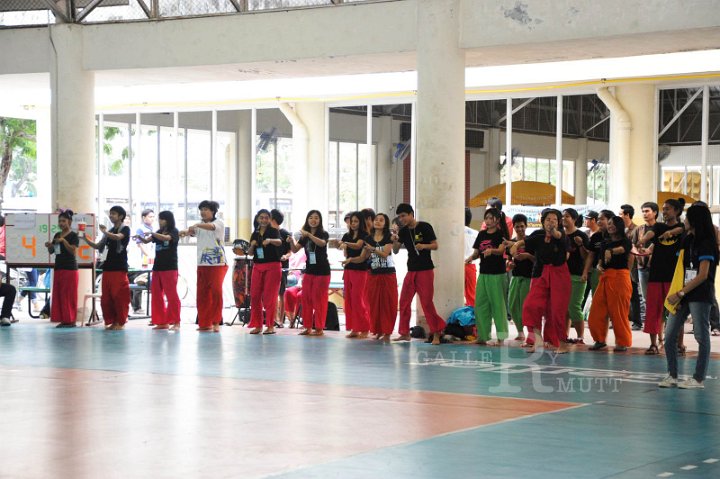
{"type": "Point", "coordinates": [592, 215]}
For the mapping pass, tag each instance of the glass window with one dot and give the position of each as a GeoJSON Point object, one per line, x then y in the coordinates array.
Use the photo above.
{"type": "Point", "coordinates": [145, 173]}
{"type": "Point", "coordinates": [172, 173]}
{"type": "Point", "coordinates": [115, 166]}
{"type": "Point", "coordinates": [198, 171]}
{"type": "Point", "coordinates": [18, 141]}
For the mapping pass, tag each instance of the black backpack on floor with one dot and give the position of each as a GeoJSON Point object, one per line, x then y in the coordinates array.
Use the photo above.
{"type": "Point", "coordinates": [332, 323]}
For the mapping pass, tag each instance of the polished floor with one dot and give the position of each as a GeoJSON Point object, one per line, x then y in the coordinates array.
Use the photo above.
{"type": "Point", "coordinates": [88, 403]}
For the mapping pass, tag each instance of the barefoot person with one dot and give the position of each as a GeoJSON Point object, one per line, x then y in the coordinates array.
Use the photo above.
{"type": "Point", "coordinates": [211, 265]}
{"type": "Point", "coordinates": [265, 245]}
{"type": "Point", "coordinates": [65, 276]}
{"type": "Point", "coordinates": [115, 295]}
{"type": "Point", "coordinates": [419, 239]}
{"type": "Point", "coordinates": [521, 266]}
{"type": "Point", "coordinates": [550, 288]}
{"type": "Point", "coordinates": [355, 277]}
{"type": "Point", "coordinates": [165, 273]}
{"type": "Point", "coordinates": [382, 284]}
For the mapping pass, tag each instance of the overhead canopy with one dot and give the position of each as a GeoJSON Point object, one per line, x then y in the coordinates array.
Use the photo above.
{"type": "Point", "coordinates": [663, 196]}
{"type": "Point", "coordinates": [529, 193]}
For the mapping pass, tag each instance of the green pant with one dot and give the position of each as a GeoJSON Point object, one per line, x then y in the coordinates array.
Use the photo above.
{"type": "Point", "coordinates": [490, 304]}
{"type": "Point", "coordinates": [519, 289]}
{"type": "Point", "coordinates": [577, 292]}
{"type": "Point", "coordinates": [594, 279]}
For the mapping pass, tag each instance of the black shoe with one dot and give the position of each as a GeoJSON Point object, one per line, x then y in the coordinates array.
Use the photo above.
{"type": "Point", "coordinates": [597, 346]}
{"type": "Point", "coordinates": [637, 327]}
{"type": "Point", "coordinates": [66, 325]}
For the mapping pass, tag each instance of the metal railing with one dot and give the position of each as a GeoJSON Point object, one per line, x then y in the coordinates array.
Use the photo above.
{"type": "Point", "coordinates": [44, 12]}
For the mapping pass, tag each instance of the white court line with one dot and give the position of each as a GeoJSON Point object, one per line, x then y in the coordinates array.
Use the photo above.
{"type": "Point", "coordinates": [665, 474]}
{"type": "Point", "coordinates": [712, 460]}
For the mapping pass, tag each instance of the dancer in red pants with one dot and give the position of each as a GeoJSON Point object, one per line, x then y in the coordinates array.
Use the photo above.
{"type": "Point", "coordinates": [550, 287]}
{"type": "Point", "coordinates": [265, 245]}
{"type": "Point", "coordinates": [382, 284]}
{"type": "Point", "coordinates": [115, 296]}
{"type": "Point", "coordinates": [419, 239]}
{"type": "Point", "coordinates": [65, 277]}
{"type": "Point", "coordinates": [317, 274]}
{"type": "Point", "coordinates": [211, 265]}
{"type": "Point", "coordinates": [355, 278]}
{"type": "Point", "coordinates": [165, 273]}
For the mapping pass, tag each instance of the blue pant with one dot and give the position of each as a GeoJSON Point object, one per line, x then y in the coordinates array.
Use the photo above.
{"type": "Point", "coordinates": [701, 328]}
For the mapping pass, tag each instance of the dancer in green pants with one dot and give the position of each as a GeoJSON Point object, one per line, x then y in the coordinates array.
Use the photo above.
{"type": "Point", "coordinates": [579, 244]}
{"type": "Point", "coordinates": [521, 266]}
{"type": "Point", "coordinates": [490, 296]}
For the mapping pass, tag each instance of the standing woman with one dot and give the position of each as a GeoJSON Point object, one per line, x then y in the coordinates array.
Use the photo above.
{"type": "Point", "coordinates": [265, 245]}
{"type": "Point", "coordinates": [612, 296]}
{"type": "Point", "coordinates": [695, 298]}
{"type": "Point", "coordinates": [382, 284]}
{"type": "Point", "coordinates": [355, 277]}
{"type": "Point", "coordinates": [317, 274]}
{"type": "Point", "coordinates": [490, 294]}
{"type": "Point", "coordinates": [115, 295]}
{"type": "Point", "coordinates": [65, 279]}
{"type": "Point", "coordinates": [550, 288]}
{"type": "Point", "coordinates": [165, 273]}
{"type": "Point", "coordinates": [211, 263]}
{"type": "Point", "coordinates": [521, 266]}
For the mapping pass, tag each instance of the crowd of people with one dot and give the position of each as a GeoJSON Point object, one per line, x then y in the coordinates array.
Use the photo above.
{"type": "Point", "coordinates": [538, 281]}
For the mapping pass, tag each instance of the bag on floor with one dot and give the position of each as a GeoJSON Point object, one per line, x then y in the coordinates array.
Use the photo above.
{"type": "Point", "coordinates": [332, 323]}
{"type": "Point", "coordinates": [464, 316]}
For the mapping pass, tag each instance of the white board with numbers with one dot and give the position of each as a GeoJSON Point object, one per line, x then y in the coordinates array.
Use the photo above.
{"type": "Point", "coordinates": [26, 234]}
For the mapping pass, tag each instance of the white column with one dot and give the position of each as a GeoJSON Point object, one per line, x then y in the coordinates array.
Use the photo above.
{"type": "Point", "coordinates": [245, 178]}
{"type": "Point", "coordinates": [508, 151]}
{"type": "Point", "coordinates": [581, 172]}
{"type": "Point", "coordinates": [704, 143]}
{"type": "Point", "coordinates": [440, 143]}
{"type": "Point", "coordinates": [559, 151]}
{"type": "Point", "coordinates": [72, 121]}
{"type": "Point", "coordinates": [313, 189]}
{"type": "Point", "coordinates": [634, 178]}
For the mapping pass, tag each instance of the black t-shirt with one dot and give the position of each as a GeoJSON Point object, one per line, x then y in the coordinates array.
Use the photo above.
{"type": "Point", "coordinates": [321, 266]}
{"type": "Point", "coordinates": [553, 252]}
{"type": "Point", "coordinates": [664, 255]}
{"type": "Point", "coordinates": [378, 264]}
{"type": "Point", "coordinates": [495, 263]}
{"type": "Point", "coordinates": [596, 241]}
{"type": "Point", "coordinates": [354, 253]}
{"type": "Point", "coordinates": [65, 260]}
{"type": "Point", "coordinates": [284, 247]}
{"type": "Point", "coordinates": [423, 233]}
{"type": "Point", "coordinates": [268, 253]}
{"type": "Point", "coordinates": [694, 255]}
{"type": "Point", "coordinates": [523, 268]}
{"type": "Point", "coordinates": [576, 263]}
{"type": "Point", "coordinates": [116, 259]}
{"type": "Point", "coordinates": [618, 261]}
{"type": "Point", "coordinates": [166, 252]}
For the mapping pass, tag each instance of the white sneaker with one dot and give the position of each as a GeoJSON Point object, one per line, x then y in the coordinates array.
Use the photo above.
{"type": "Point", "coordinates": [668, 382]}
{"type": "Point", "coordinates": [691, 383]}
{"type": "Point", "coordinates": [5, 322]}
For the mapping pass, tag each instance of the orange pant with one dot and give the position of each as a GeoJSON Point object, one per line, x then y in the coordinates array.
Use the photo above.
{"type": "Point", "coordinates": [612, 298]}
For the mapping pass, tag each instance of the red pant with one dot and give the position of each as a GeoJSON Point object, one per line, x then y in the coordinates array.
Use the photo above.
{"type": "Point", "coordinates": [383, 302]}
{"type": "Point", "coordinates": [264, 289]}
{"type": "Point", "coordinates": [470, 284]}
{"type": "Point", "coordinates": [115, 297]}
{"type": "Point", "coordinates": [612, 298]}
{"type": "Point", "coordinates": [164, 285]}
{"type": "Point", "coordinates": [356, 310]}
{"type": "Point", "coordinates": [655, 306]}
{"type": "Point", "coordinates": [315, 300]}
{"type": "Point", "coordinates": [63, 306]}
{"type": "Point", "coordinates": [292, 298]}
{"type": "Point", "coordinates": [210, 294]}
{"type": "Point", "coordinates": [422, 283]}
{"type": "Point", "coordinates": [549, 298]}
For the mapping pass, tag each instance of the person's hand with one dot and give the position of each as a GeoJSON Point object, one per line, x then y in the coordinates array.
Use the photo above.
{"type": "Point", "coordinates": [487, 253]}
{"type": "Point", "coordinates": [666, 235]}
{"type": "Point", "coordinates": [48, 244]}
{"type": "Point", "coordinates": [394, 237]}
{"type": "Point", "coordinates": [584, 276]}
{"type": "Point", "coordinates": [510, 265]}
{"type": "Point", "coordinates": [608, 255]}
{"type": "Point", "coordinates": [345, 262]}
{"type": "Point", "coordinates": [673, 299]}
{"type": "Point", "coordinates": [419, 246]}
{"type": "Point", "coordinates": [253, 243]}
{"type": "Point", "coordinates": [266, 242]}
{"type": "Point", "coordinates": [304, 233]}
{"type": "Point", "coordinates": [103, 229]}
{"type": "Point", "coordinates": [469, 260]}
{"type": "Point", "coordinates": [578, 241]}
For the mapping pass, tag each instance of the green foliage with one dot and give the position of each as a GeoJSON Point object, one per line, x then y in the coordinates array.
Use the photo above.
{"type": "Point", "coordinates": [18, 153]}
{"type": "Point", "coordinates": [116, 162]}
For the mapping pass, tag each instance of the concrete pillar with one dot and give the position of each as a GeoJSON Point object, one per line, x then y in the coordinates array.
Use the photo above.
{"type": "Point", "coordinates": [581, 172]}
{"type": "Point", "coordinates": [441, 142]}
{"type": "Point", "coordinates": [633, 180]}
{"type": "Point", "coordinates": [311, 178]}
{"type": "Point", "coordinates": [386, 167]}
{"type": "Point", "coordinates": [245, 147]}
{"type": "Point", "coordinates": [72, 129]}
